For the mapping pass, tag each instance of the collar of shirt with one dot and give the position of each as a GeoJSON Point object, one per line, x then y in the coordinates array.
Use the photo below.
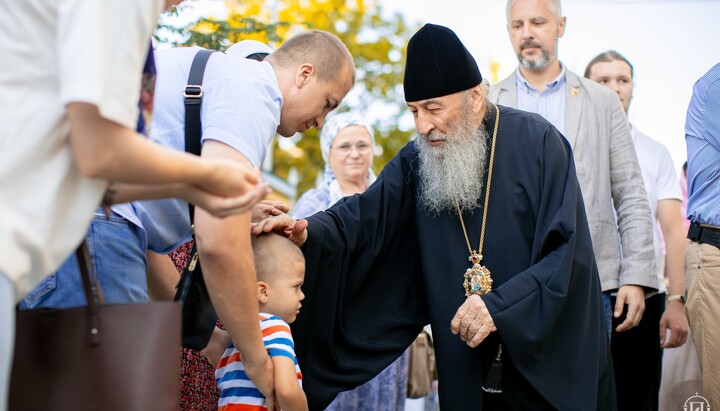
{"type": "Point", "coordinates": [551, 87]}
{"type": "Point", "coordinates": [550, 103]}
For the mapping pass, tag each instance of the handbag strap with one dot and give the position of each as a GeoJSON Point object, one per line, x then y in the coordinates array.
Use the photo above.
{"type": "Point", "coordinates": [93, 317]}
{"type": "Point", "coordinates": [193, 94]}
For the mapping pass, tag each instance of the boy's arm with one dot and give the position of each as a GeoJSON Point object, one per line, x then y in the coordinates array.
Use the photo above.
{"type": "Point", "coordinates": [288, 392]}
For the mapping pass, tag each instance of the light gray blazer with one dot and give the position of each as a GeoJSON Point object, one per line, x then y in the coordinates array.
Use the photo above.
{"type": "Point", "coordinates": [609, 177]}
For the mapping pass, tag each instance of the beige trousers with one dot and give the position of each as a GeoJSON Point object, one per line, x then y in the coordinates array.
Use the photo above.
{"type": "Point", "coordinates": [681, 377]}
{"type": "Point", "coordinates": [702, 284]}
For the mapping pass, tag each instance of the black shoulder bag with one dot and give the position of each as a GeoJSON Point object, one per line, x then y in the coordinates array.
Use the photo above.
{"type": "Point", "coordinates": [198, 314]}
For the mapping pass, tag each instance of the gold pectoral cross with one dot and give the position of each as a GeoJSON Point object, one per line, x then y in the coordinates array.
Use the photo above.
{"type": "Point", "coordinates": [477, 277]}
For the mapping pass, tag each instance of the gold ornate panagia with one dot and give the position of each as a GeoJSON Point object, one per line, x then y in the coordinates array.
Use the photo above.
{"type": "Point", "coordinates": [477, 277]}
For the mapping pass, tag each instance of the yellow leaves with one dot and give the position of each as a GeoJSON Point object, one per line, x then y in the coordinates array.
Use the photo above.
{"type": "Point", "coordinates": [247, 7]}
{"type": "Point", "coordinates": [204, 27]}
{"type": "Point", "coordinates": [320, 14]}
{"type": "Point", "coordinates": [259, 36]}
{"type": "Point", "coordinates": [337, 16]}
{"type": "Point", "coordinates": [256, 9]}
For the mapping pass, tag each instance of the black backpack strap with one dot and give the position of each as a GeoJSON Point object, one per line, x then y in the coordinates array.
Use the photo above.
{"type": "Point", "coordinates": [193, 94]}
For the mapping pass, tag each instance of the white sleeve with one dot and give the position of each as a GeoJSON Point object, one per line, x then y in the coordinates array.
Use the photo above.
{"type": "Point", "coordinates": [243, 113]}
{"type": "Point", "coordinates": [667, 182]}
{"type": "Point", "coordinates": [102, 47]}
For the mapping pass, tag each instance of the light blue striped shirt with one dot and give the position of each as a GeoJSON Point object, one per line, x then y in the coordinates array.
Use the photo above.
{"type": "Point", "coordinates": [550, 103]}
{"type": "Point", "coordinates": [702, 135]}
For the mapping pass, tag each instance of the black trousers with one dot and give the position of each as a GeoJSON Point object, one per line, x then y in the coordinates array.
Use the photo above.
{"type": "Point", "coordinates": [637, 358]}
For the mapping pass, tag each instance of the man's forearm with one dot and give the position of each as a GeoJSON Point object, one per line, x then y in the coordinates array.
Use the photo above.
{"type": "Point", "coordinates": [226, 259]}
{"type": "Point", "coordinates": [125, 193]}
{"type": "Point", "coordinates": [673, 231]}
{"type": "Point", "coordinates": [106, 150]}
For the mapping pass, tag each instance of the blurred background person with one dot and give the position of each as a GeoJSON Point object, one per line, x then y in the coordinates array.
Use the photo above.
{"type": "Point", "coordinates": [637, 356]}
{"type": "Point", "coordinates": [346, 143]}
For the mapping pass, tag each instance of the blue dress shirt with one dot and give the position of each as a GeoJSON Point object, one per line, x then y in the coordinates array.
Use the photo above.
{"type": "Point", "coordinates": [702, 135]}
{"type": "Point", "coordinates": [550, 103]}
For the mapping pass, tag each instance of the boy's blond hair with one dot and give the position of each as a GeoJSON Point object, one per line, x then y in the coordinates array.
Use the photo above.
{"type": "Point", "coordinates": [271, 252]}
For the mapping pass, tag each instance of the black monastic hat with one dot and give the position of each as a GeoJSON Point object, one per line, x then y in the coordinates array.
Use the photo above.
{"type": "Point", "coordinates": [438, 64]}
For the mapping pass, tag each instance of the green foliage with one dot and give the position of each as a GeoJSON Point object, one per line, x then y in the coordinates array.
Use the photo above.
{"type": "Point", "coordinates": [376, 41]}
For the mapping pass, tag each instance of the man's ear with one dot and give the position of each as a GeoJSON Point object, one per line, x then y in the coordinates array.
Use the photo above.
{"type": "Point", "coordinates": [478, 98]}
{"type": "Point", "coordinates": [303, 74]}
{"type": "Point", "coordinates": [263, 292]}
{"type": "Point", "coordinates": [561, 26]}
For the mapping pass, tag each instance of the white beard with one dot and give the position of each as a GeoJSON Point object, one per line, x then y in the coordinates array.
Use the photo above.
{"type": "Point", "coordinates": [452, 174]}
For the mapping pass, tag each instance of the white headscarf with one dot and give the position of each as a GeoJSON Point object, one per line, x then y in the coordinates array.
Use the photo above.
{"type": "Point", "coordinates": [329, 131]}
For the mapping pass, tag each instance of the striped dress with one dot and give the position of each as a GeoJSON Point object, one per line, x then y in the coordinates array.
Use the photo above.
{"type": "Point", "coordinates": [237, 392]}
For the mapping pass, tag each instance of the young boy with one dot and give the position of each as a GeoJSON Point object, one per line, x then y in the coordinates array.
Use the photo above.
{"type": "Point", "coordinates": [280, 268]}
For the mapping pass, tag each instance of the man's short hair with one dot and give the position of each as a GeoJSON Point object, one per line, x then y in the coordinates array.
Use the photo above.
{"type": "Point", "coordinates": [323, 50]}
{"type": "Point", "coordinates": [607, 57]}
{"type": "Point", "coordinates": [554, 6]}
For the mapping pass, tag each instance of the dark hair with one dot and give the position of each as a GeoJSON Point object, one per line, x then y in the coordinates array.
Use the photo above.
{"type": "Point", "coordinates": [607, 57]}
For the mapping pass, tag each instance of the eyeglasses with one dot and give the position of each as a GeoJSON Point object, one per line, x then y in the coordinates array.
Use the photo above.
{"type": "Point", "coordinates": [346, 148]}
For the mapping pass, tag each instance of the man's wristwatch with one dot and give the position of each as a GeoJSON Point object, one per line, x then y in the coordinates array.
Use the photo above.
{"type": "Point", "coordinates": [676, 297]}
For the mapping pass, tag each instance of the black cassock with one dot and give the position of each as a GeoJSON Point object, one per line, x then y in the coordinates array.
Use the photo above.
{"type": "Point", "coordinates": [379, 267]}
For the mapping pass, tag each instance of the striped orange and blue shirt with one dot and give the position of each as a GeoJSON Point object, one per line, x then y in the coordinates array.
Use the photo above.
{"type": "Point", "coordinates": [237, 391]}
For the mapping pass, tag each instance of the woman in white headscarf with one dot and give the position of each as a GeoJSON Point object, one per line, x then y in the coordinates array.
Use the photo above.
{"type": "Point", "coordinates": [347, 142]}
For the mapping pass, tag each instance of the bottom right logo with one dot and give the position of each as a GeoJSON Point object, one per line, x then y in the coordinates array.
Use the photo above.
{"type": "Point", "coordinates": [696, 403]}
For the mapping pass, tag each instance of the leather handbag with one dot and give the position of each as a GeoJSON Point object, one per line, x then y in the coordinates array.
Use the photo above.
{"type": "Point", "coordinates": [422, 370]}
{"type": "Point", "coordinates": [198, 315]}
{"type": "Point", "coordinates": [98, 357]}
